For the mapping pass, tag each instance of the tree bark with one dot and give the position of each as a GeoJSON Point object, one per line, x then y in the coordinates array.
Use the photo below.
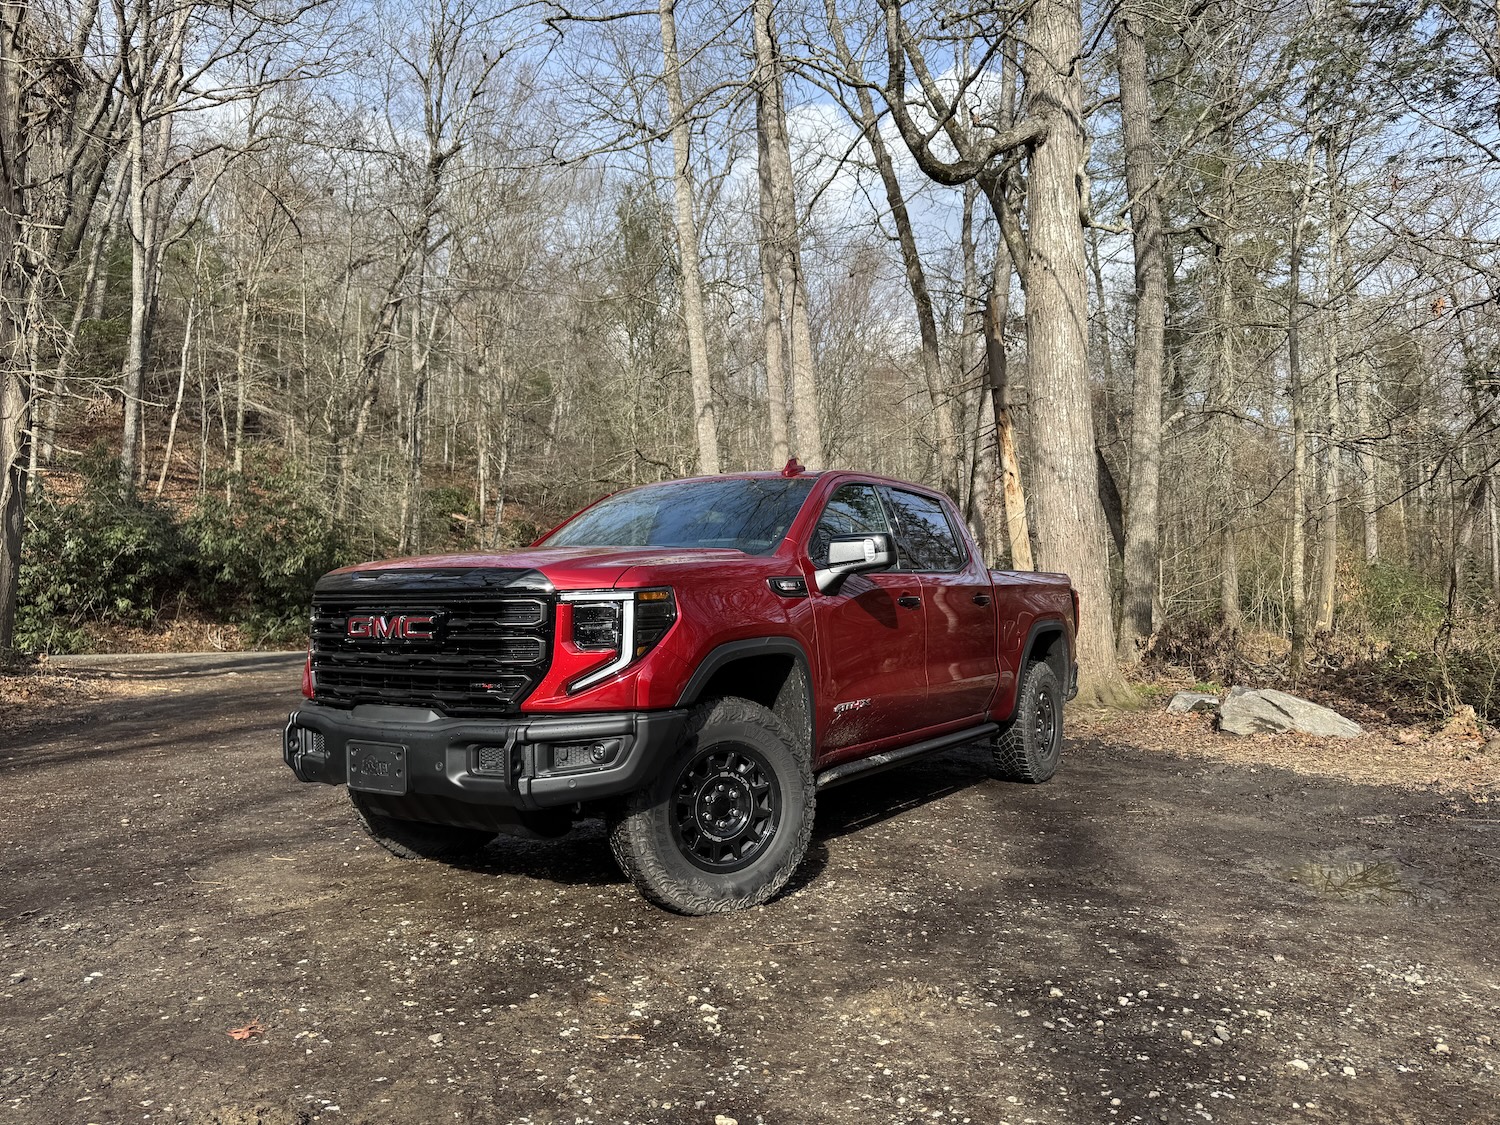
{"type": "Point", "coordinates": [1069, 522]}
{"type": "Point", "coordinates": [1299, 623]}
{"type": "Point", "coordinates": [705, 423]}
{"type": "Point", "coordinates": [997, 378]}
{"type": "Point", "coordinates": [1142, 548]}
{"type": "Point", "coordinates": [1337, 296]}
{"type": "Point", "coordinates": [15, 383]}
{"type": "Point", "coordinates": [1369, 503]}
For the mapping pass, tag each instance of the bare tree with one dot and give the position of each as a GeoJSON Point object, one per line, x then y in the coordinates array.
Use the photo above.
{"type": "Point", "coordinates": [15, 382]}
{"type": "Point", "coordinates": [1143, 182]}
{"type": "Point", "coordinates": [781, 241]}
{"type": "Point", "coordinates": [694, 323]}
{"type": "Point", "coordinates": [1069, 520]}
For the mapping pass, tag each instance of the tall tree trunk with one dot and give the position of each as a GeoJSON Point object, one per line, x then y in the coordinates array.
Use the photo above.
{"type": "Point", "coordinates": [1010, 258]}
{"type": "Point", "coordinates": [772, 330]}
{"type": "Point", "coordinates": [1337, 296]}
{"type": "Point", "coordinates": [983, 500]}
{"type": "Point", "coordinates": [1223, 427]}
{"type": "Point", "coordinates": [242, 377]}
{"type": "Point", "coordinates": [1142, 549]}
{"type": "Point", "coordinates": [138, 339]}
{"type": "Point", "coordinates": [182, 370]}
{"type": "Point", "coordinates": [705, 423]}
{"type": "Point", "coordinates": [15, 381]}
{"type": "Point", "coordinates": [1369, 494]}
{"type": "Point", "coordinates": [1493, 505]}
{"type": "Point", "coordinates": [1070, 523]}
{"type": "Point", "coordinates": [1297, 393]}
{"type": "Point", "coordinates": [775, 151]}
{"type": "Point", "coordinates": [997, 379]}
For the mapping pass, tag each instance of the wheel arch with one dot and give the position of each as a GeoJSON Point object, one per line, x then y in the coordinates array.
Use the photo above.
{"type": "Point", "coordinates": [771, 671]}
{"type": "Point", "coordinates": [1048, 641]}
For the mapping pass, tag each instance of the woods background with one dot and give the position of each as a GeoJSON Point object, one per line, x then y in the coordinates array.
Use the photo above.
{"type": "Point", "coordinates": [1197, 302]}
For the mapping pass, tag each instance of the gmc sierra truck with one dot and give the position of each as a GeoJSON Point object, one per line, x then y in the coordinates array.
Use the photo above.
{"type": "Point", "coordinates": [694, 661]}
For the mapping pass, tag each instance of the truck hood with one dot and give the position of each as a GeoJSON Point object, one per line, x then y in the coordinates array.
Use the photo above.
{"type": "Point", "coordinates": [566, 568]}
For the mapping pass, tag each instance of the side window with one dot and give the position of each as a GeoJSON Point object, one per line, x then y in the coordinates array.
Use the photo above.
{"type": "Point", "coordinates": [924, 538]}
{"type": "Point", "coordinates": [854, 510]}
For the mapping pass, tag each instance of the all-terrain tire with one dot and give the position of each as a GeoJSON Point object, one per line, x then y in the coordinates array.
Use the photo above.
{"type": "Point", "coordinates": [727, 821]}
{"type": "Point", "coordinates": [410, 839]}
{"type": "Point", "coordinates": [1028, 749]}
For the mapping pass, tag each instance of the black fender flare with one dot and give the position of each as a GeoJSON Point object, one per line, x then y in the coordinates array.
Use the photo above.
{"type": "Point", "coordinates": [731, 651]}
{"type": "Point", "coordinates": [1070, 666]}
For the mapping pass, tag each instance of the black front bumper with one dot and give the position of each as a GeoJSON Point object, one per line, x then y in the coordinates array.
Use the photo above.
{"type": "Point", "coordinates": [524, 762]}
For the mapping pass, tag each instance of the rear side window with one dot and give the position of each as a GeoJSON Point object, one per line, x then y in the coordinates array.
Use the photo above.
{"type": "Point", "coordinates": [924, 537]}
{"type": "Point", "coordinates": [854, 510]}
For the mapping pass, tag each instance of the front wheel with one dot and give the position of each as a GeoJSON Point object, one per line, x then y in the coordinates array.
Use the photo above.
{"type": "Point", "coordinates": [727, 821]}
{"type": "Point", "coordinates": [1029, 748]}
{"type": "Point", "coordinates": [410, 839]}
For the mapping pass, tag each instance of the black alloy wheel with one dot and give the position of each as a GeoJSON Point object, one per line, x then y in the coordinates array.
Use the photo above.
{"type": "Point", "coordinates": [726, 807]}
{"type": "Point", "coordinates": [726, 822]}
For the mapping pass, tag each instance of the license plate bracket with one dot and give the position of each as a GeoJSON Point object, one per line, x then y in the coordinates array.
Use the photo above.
{"type": "Point", "coordinates": [377, 767]}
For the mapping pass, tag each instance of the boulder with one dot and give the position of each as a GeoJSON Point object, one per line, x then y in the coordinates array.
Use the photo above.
{"type": "Point", "coordinates": [1267, 711]}
{"type": "Point", "coordinates": [1186, 702]}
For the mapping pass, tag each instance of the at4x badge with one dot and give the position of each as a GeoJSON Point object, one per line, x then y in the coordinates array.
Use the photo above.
{"type": "Point", "coordinates": [850, 705]}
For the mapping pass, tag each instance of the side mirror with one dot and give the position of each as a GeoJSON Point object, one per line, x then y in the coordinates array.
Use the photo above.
{"type": "Point", "coordinates": [852, 554]}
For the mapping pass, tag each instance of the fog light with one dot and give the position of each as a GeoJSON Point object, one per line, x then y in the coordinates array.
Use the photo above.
{"type": "Point", "coordinates": [567, 756]}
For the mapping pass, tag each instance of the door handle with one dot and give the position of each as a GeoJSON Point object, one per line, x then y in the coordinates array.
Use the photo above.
{"type": "Point", "coordinates": [981, 599]}
{"type": "Point", "coordinates": [910, 601]}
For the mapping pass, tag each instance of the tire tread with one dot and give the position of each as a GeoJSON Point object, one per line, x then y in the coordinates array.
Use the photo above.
{"type": "Point", "coordinates": [633, 830]}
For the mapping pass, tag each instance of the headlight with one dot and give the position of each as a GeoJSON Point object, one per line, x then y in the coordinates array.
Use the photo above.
{"type": "Point", "coordinates": [627, 623]}
{"type": "Point", "coordinates": [596, 626]}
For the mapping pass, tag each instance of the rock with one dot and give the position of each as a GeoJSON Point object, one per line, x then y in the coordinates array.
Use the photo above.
{"type": "Point", "coordinates": [1186, 702]}
{"type": "Point", "coordinates": [1440, 1048]}
{"type": "Point", "coordinates": [1267, 711]}
{"type": "Point", "coordinates": [1298, 1064]}
{"type": "Point", "coordinates": [724, 1119]}
{"type": "Point", "coordinates": [1464, 723]}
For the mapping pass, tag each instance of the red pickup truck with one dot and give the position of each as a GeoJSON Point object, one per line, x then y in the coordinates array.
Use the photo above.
{"type": "Point", "coordinates": [693, 660]}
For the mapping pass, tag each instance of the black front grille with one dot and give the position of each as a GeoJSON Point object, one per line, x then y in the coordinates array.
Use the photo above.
{"type": "Point", "coordinates": [486, 652]}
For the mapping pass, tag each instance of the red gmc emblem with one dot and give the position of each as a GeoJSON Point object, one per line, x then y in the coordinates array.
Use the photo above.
{"type": "Point", "coordinates": [395, 627]}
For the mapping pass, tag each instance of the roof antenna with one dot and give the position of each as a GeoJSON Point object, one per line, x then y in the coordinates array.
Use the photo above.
{"type": "Point", "coordinates": [793, 468]}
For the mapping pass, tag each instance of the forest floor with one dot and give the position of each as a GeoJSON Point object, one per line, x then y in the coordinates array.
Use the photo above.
{"type": "Point", "coordinates": [1179, 927]}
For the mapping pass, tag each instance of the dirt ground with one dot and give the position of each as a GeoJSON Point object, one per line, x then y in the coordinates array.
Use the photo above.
{"type": "Point", "coordinates": [1174, 929]}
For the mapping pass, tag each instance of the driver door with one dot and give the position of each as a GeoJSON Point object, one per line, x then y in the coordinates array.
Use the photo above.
{"type": "Point", "coordinates": [872, 636]}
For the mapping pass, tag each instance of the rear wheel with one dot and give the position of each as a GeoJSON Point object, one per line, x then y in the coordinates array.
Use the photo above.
{"type": "Point", "coordinates": [727, 821]}
{"type": "Point", "coordinates": [412, 839]}
{"type": "Point", "coordinates": [1030, 747]}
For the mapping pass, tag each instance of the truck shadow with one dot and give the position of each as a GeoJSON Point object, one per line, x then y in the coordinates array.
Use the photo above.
{"type": "Point", "coordinates": [871, 800]}
{"type": "Point", "coordinates": [582, 857]}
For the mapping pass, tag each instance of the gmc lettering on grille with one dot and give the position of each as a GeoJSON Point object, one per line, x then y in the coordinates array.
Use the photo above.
{"type": "Point", "coordinates": [395, 627]}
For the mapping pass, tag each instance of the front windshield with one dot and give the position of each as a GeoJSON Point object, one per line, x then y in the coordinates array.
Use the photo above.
{"type": "Point", "coordinates": [746, 514]}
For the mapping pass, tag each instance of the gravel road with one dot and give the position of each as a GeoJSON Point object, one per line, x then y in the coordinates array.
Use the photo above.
{"type": "Point", "coordinates": [1149, 937]}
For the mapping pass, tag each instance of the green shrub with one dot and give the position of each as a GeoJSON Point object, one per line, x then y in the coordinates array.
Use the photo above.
{"type": "Point", "coordinates": [107, 556]}
{"type": "Point", "coordinates": [257, 556]}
